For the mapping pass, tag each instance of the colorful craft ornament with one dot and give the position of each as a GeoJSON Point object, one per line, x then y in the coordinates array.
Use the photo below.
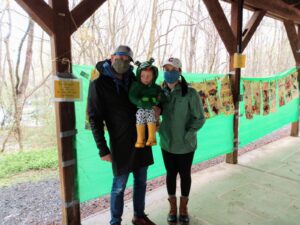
{"type": "Point", "coordinates": [256, 97]}
{"type": "Point", "coordinates": [226, 101]}
{"type": "Point", "coordinates": [265, 91]}
{"type": "Point", "coordinates": [272, 96]}
{"type": "Point", "coordinates": [248, 99]}
{"type": "Point", "coordinates": [213, 99]}
{"type": "Point", "coordinates": [295, 85]}
{"type": "Point", "coordinates": [281, 92]}
{"type": "Point", "coordinates": [288, 89]}
{"type": "Point", "coordinates": [203, 94]}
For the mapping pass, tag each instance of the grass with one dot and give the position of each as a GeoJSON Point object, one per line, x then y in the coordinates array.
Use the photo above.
{"type": "Point", "coordinates": [16, 163]}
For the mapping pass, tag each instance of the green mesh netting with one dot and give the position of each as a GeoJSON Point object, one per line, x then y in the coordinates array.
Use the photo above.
{"type": "Point", "coordinates": [94, 177]}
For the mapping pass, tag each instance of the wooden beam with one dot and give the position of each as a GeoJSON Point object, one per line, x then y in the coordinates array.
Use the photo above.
{"type": "Point", "coordinates": [65, 114]}
{"type": "Point", "coordinates": [236, 26]}
{"type": "Point", "coordinates": [83, 11]}
{"type": "Point", "coordinates": [275, 8]}
{"type": "Point", "coordinates": [251, 27]}
{"type": "Point", "coordinates": [40, 12]}
{"type": "Point", "coordinates": [221, 23]}
{"type": "Point", "coordinates": [294, 38]}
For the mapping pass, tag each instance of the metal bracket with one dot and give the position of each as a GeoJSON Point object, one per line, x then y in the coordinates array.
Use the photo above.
{"type": "Point", "coordinates": [236, 140]}
{"type": "Point", "coordinates": [65, 75]}
{"type": "Point", "coordinates": [68, 163]}
{"type": "Point", "coordinates": [70, 204]}
{"type": "Point", "coordinates": [68, 133]}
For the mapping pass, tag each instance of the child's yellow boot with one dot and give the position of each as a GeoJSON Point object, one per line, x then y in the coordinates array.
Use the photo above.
{"type": "Point", "coordinates": [151, 134]}
{"type": "Point", "coordinates": [140, 142]}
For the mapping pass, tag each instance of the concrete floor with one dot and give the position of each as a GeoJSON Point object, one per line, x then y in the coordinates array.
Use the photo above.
{"type": "Point", "coordinates": [263, 189]}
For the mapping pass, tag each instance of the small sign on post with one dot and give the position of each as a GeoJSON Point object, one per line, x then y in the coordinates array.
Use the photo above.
{"type": "Point", "coordinates": [67, 89]}
{"type": "Point", "coordinates": [239, 60]}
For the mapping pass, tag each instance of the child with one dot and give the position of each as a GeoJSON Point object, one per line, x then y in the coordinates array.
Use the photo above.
{"type": "Point", "coordinates": [144, 93]}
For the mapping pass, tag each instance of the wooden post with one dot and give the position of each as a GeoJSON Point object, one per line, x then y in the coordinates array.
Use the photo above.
{"type": "Point", "coordinates": [232, 37]}
{"type": "Point", "coordinates": [236, 26]}
{"type": "Point", "coordinates": [65, 112]}
{"type": "Point", "coordinates": [294, 39]}
{"type": "Point", "coordinates": [60, 23]}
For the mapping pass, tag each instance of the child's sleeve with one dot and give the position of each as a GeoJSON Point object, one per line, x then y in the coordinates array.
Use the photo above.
{"type": "Point", "coordinates": [136, 99]}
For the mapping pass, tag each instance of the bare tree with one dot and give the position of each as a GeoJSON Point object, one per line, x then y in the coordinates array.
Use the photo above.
{"type": "Point", "coordinates": [18, 83]}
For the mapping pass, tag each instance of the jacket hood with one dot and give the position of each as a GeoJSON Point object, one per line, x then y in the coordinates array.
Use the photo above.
{"type": "Point", "coordinates": [144, 65]}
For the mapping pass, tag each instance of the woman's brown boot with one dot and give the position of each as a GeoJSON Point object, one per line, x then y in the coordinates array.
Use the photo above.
{"type": "Point", "coordinates": [172, 216]}
{"type": "Point", "coordinates": [183, 212]}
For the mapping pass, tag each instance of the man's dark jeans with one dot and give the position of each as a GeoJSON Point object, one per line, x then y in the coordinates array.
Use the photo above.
{"type": "Point", "coordinates": [117, 195]}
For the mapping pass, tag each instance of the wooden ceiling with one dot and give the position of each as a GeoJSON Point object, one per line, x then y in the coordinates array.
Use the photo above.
{"type": "Point", "coordinates": [278, 9]}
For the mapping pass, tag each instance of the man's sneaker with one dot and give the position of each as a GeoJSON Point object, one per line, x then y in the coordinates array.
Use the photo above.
{"type": "Point", "coordinates": [144, 220]}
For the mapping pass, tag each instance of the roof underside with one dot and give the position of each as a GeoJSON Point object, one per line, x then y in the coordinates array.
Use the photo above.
{"type": "Point", "coordinates": [278, 9]}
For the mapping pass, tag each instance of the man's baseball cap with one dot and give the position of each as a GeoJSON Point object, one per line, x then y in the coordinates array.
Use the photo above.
{"type": "Point", "coordinates": [174, 62]}
{"type": "Point", "coordinates": [124, 50]}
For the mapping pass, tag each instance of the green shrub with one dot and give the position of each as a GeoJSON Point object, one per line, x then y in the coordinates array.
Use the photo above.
{"type": "Point", "coordinates": [14, 163]}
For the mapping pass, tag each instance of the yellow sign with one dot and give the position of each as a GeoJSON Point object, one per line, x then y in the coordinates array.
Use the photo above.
{"type": "Point", "coordinates": [67, 89]}
{"type": "Point", "coordinates": [239, 60]}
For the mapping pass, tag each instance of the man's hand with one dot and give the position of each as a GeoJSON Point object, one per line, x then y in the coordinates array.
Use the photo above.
{"type": "Point", "coordinates": [107, 158]}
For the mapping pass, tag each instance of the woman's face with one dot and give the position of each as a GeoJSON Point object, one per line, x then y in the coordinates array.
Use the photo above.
{"type": "Point", "coordinates": [169, 67]}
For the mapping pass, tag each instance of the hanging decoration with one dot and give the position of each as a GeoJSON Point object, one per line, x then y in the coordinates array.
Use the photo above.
{"type": "Point", "coordinates": [281, 92]}
{"type": "Point", "coordinates": [288, 89]}
{"type": "Point", "coordinates": [248, 99]}
{"type": "Point", "coordinates": [226, 101]}
{"type": "Point", "coordinates": [295, 85]}
{"type": "Point", "coordinates": [203, 93]}
{"type": "Point", "coordinates": [213, 99]}
{"type": "Point", "coordinates": [256, 90]}
{"type": "Point", "coordinates": [266, 103]}
{"type": "Point", "coordinates": [272, 96]}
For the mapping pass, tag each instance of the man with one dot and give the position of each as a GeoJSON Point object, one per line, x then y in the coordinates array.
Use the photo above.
{"type": "Point", "coordinates": [108, 102]}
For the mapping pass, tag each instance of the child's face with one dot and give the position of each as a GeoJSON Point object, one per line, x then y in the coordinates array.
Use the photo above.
{"type": "Point", "coordinates": [146, 77]}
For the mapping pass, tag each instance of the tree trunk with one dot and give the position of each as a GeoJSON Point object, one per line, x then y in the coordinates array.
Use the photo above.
{"type": "Point", "coordinates": [153, 30]}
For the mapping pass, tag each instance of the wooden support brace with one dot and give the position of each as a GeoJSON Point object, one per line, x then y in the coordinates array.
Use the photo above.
{"type": "Point", "coordinates": [83, 11]}
{"type": "Point", "coordinates": [40, 12]}
{"type": "Point", "coordinates": [221, 23]}
{"type": "Point", "coordinates": [251, 27]}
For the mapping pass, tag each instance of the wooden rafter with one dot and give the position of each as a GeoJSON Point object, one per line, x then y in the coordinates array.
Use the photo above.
{"type": "Point", "coordinates": [294, 39]}
{"type": "Point", "coordinates": [83, 11]}
{"type": "Point", "coordinates": [40, 12]}
{"type": "Point", "coordinates": [221, 23]}
{"type": "Point", "coordinates": [251, 27]}
{"type": "Point", "coordinates": [275, 8]}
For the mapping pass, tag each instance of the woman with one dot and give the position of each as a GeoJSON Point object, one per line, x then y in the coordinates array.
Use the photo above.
{"type": "Point", "coordinates": [182, 117]}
